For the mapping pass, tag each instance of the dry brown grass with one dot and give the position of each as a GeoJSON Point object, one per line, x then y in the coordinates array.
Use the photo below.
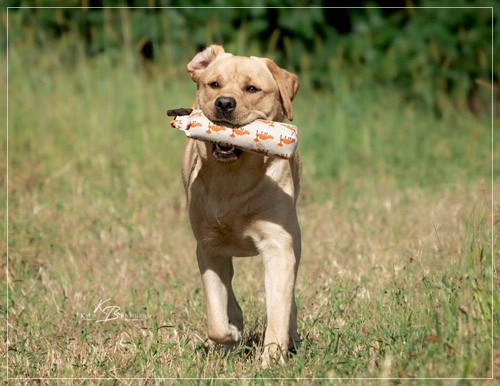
{"type": "Point", "coordinates": [143, 260]}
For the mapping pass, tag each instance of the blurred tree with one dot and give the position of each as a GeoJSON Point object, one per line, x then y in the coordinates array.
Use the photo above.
{"type": "Point", "coordinates": [427, 52]}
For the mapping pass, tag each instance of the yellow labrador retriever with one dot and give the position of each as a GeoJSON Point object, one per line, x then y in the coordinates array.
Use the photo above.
{"type": "Point", "coordinates": [241, 203]}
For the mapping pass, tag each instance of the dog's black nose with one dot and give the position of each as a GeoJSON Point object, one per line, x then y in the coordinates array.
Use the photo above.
{"type": "Point", "coordinates": [225, 105]}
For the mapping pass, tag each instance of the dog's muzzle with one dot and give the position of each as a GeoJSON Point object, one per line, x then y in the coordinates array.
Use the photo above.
{"type": "Point", "coordinates": [224, 107]}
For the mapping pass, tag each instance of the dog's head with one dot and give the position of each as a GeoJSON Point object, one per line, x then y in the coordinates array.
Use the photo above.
{"type": "Point", "coordinates": [236, 90]}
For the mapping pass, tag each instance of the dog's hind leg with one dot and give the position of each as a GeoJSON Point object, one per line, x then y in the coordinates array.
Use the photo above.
{"type": "Point", "coordinates": [234, 310]}
{"type": "Point", "coordinates": [234, 313]}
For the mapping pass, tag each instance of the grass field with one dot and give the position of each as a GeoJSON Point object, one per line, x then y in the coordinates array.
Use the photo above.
{"type": "Point", "coordinates": [396, 276]}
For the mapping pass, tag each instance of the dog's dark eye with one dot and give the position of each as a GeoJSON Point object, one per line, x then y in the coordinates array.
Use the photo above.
{"type": "Point", "coordinates": [251, 89]}
{"type": "Point", "coordinates": [214, 85]}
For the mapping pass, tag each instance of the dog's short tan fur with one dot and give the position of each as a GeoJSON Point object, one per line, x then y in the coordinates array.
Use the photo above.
{"type": "Point", "coordinates": [244, 206]}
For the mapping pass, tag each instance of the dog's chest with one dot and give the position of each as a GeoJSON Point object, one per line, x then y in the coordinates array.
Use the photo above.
{"type": "Point", "coordinates": [222, 211]}
{"type": "Point", "coordinates": [226, 240]}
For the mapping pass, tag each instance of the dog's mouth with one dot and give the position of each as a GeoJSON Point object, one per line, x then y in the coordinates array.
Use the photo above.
{"type": "Point", "coordinates": [226, 153]}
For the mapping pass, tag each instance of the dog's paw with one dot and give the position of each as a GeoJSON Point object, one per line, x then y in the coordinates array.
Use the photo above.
{"type": "Point", "coordinates": [228, 336]}
{"type": "Point", "coordinates": [236, 333]}
{"type": "Point", "coordinates": [272, 355]}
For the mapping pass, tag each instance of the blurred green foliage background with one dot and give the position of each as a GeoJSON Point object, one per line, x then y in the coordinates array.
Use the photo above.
{"type": "Point", "coordinates": [436, 56]}
{"type": "Point", "coordinates": [399, 96]}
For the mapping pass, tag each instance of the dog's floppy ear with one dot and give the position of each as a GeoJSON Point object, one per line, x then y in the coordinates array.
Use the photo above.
{"type": "Point", "coordinates": [202, 59]}
{"type": "Point", "coordinates": [288, 84]}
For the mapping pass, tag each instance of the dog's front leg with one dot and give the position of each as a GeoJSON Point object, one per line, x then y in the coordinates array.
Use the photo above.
{"type": "Point", "coordinates": [281, 254]}
{"type": "Point", "coordinates": [224, 316]}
